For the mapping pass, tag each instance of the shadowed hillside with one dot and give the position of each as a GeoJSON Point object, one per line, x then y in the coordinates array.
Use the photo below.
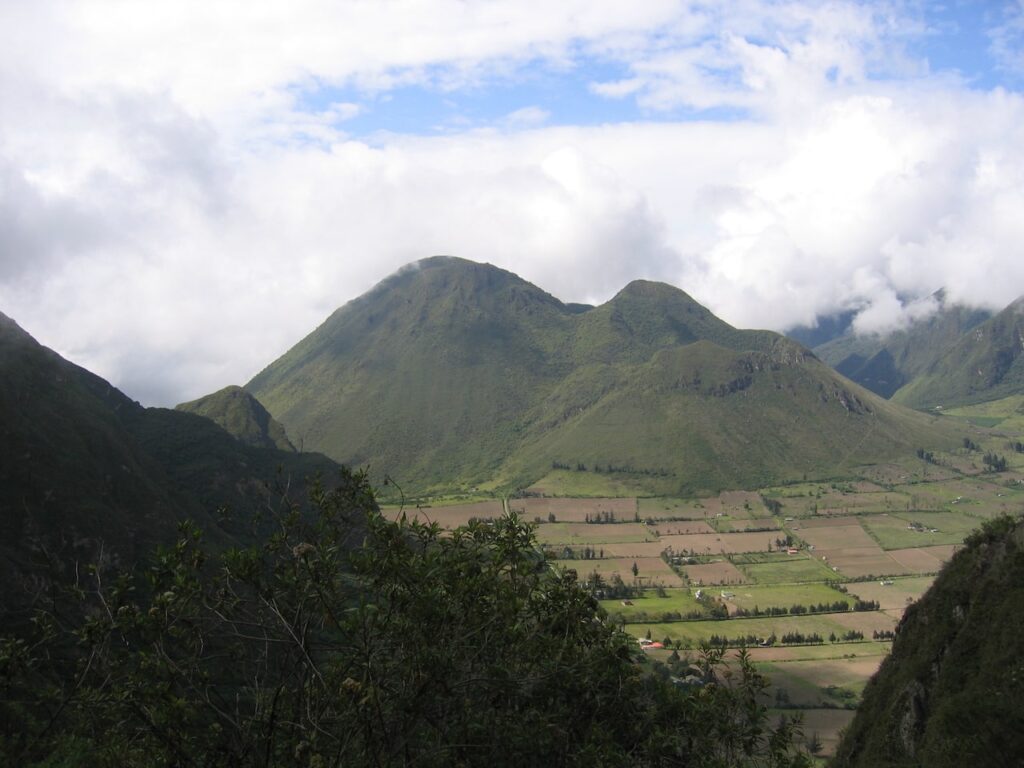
{"type": "Point", "coordinates": [885, 363]}
{"type": "Point", "coordinates": [87, 475]}
{"type": "Point", "coordinates": [985, 364]}
{"type": "Point", "coordinates": [952, 691]}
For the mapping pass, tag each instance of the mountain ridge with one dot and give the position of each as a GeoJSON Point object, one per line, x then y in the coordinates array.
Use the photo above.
{"type": "Point", "coordinates": [456, 372]}
{"type": "Point", "coordinates": [949, 693]}
{"type": "Point", "coordinates": [88, 475]}
{"type": "Point", "coordinates": [986, 363]}
{"type": "Point", "coordinates": [884, 363]}
{"type": "Point", "coordinates": [242, 416]}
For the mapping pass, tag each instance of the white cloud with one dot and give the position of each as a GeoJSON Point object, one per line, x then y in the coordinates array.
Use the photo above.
{"type": "Point", "coordinates": [527, 117]}
{"type": "Point", "coordinates": [1007, 37]}
{"type": "Point", "coordinates": [174, 213]}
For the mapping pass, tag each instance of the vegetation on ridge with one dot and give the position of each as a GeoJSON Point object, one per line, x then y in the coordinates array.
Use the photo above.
{"type": "Point", "coordinates": [952, 691]}
{"type": "Point", "coordinates": [884, 363]}
{"type": "Point", "coordinates": [451, 373]}
{"type": "Point", "coordinates": [242, 416]}
{"type": "Point", "coordinates": [985, 364]}
{"type": "Point", "coordinates": [88, 474]}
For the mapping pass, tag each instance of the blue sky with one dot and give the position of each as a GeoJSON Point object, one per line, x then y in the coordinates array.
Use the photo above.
{"type": "Point", "coordinates": [187, 188]}
{"type": "Point", "coordinates": [958, 39]}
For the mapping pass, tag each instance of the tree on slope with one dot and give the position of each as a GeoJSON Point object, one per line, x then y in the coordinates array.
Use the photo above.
{"type": "Point", "coordinates": [417, 647]}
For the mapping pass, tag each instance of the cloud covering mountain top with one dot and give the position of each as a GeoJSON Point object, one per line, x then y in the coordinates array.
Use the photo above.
{"type": "Point", "coordinates": [186, 189]}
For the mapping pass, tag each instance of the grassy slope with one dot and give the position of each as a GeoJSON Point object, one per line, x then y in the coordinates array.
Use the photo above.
{"type": "Point", "coordinates": [884, 364]}
{"type": "Point", "coordinates": [455, 372]}
{"type": "Point", "coordinates": [986, 364]}
{"type": "Point", "coordinates": [242, 416]}
{"type": "Point", "coordinates": [951, 692]}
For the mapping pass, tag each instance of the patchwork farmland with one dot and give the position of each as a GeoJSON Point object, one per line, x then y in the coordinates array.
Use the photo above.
{"type": "Point", "coordinates": [811, 578]}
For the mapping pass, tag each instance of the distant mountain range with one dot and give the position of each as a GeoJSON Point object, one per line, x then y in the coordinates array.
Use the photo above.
{"type": "Point", "coordinates": [87, 475]}
{"type": "Point", "coordinates": [957, 355]}
{"type": "Point", "coordinates": [885, 363]}
{"type": "Point", "coordinates": [452, 373]}
{"type": "Point", "coordinates": [986, 363]}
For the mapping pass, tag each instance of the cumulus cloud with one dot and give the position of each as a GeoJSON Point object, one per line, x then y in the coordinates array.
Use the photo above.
{"type": "Point", "coordinates": [176, 209]}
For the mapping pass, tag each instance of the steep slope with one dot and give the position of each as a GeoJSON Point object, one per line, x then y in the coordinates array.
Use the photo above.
{"type": "Point", "coordinates": [985, 364]}
{"type": "Point", "coordinates": [883, 364]}
{"type": "Point", "coordinates": [952, 691]}
{"type": "Point", "coordinates": [86, 473]}
{"type": "Point", "coordinates": [426, 375]}
{"type": "Point", "coordinates": [452, 372]}
{"type": "Point", "coordinates": [242, 416]}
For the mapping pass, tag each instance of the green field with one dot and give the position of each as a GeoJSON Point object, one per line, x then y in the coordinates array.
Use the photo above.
{"type": "Point", "coordinates": [892, 531]}
{"type": "Point", "coordinates": [677, 600]}
{"type": "Point", "coordinates": [953, 497]}
{"type": "Point", "coordinates": [784, 569]}
{"type": "Point", "coordinates": [1007, 414]}
{"type": "Point", "coordinates": [783, 595]}
{"type": "Point", "coordinates": [696, 632]}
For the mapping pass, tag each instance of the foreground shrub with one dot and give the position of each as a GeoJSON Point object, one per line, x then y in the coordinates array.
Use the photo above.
{"type": "Point", "coordinates": [412, 646]}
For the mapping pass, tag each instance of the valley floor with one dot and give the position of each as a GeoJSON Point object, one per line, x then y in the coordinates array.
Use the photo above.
{"type": "Point", "coordinates": [812, 578]}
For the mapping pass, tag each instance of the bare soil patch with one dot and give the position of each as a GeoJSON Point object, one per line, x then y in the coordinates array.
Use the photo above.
{"type": "Point", "coordinates": [574, 510]}
{"type": "Point", "coordinates": [837, 537]}
{"type": "Point", "coordinates": [680, 527]}
{"type": "Point", "coordinates": [651, 571]}
{"type": "Point", "coordinates": [450, 516]}
{"type": "Point", "coordinates": [722, 572]}
{"type": "Point", "coordinates": [716, 543]}
{"type": "Point", "coordinates": [865, 621]}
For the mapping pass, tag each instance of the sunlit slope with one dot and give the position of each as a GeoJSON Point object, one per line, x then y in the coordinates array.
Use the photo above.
{"type": "Point", "coordinates": [703, 417]}
{"type": "Point", "coordinates": [453, 372]}
{"type": "Point", "coordinates": [427, 376]}
{"type": "Point", "coordinates": [242, 416]}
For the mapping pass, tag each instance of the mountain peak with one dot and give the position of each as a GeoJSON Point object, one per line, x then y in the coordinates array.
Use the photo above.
{"type": "Point", "coordinates": [10, 327]}
{"type": "Point", "coordinates": [650, 289]}
{"type": "Point", "coordinates": [242, 416]}
{"type": "Point", "coordinates": [451, 371]}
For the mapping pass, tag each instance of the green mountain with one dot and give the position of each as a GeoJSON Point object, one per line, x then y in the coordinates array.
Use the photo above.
{"type": "Point", "coordinates": [985, 364]}
{"type": "Point", "coordinates": [242, 416]}
{"type": "Point", "coordinates": [951, 693]}
{"type": "Point", "coordinates": [87, 474]}
{"type": "Point", "coordinates": [883, 364]}
{"type": "Point", "coordinates": [454, 373]}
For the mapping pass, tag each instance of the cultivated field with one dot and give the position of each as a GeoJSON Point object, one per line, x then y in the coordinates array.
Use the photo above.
{"type": "Point", "coordinates": [747, 566]}
{"type": "Point", "coordinates": [786, 569]}
{"type": "Point", "coordinates": [720, 543]}
{"type": "Point", "coordinates": [651, 571]}
{"type": "Point", "coordinates": [752, 596]}
{"type": "Point", "coordinates": [449, 516]}
{"type": "Point", "coordinates": [574, 510]}
{"type": "Point", "coordinates": [719, 572]}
